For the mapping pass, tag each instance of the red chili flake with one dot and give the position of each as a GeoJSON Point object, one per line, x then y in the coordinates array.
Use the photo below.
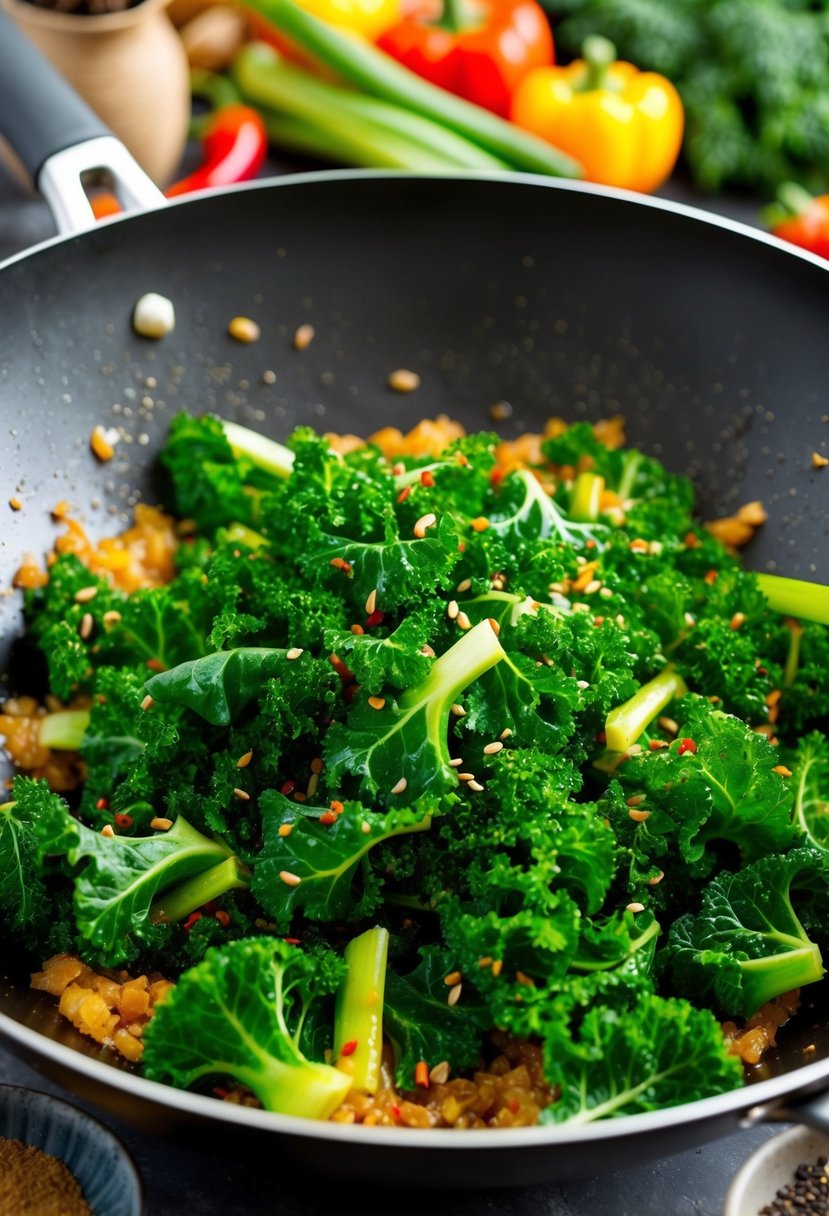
{"type": "Point", "coordinates": [687, 745]}
{"type": "Point", "coordinates": [374, 618]}
{"type": "Point", "coordinates": [495, 476]}
{"type": "Point", "coordinates": [711, 577]}
{"type": "Point", "coordinates": [339, 563]}
{"type": "Point", "coordinates": [222, 917]}
{"type": "Point", "coordinates": [422, 1074]}
{"type": "Point", "coordinates": [601, 737]}
{"type": "Point", "coordinates": [514, 1105]}
{"type": "Point", "coordinates": [395, 1110]}
{"type": "Point", "coordinates": [288, 788]}
{"type": "Point", "coordinates": [337, 807]}
{"type": "Point", "coordinates": [123, 820]}
{"type": "Point", "coordinates": [349, 1048]}
{"type": "Point", "coordinates": [461, 546]}
{"type": "Point", "coordinates": [220, 1092]}
{"type": "Point", "coordinates": [155, 665]}
{"type": "Point", "coordinates": [426, 479]}
{"type": "Point", "coordinates": [404, 494]}
{"type": "Point", "coordinates": [292, 941]}
{"type": "Point", "coordinates": [192, 919]}
{"type": "Point", "coordinates": [328, 817]}
{"type": "Point", "coordinates": [102, 804]}
{"type": "Point", "coordinates": [209, 907]}
{"type": "Point", "coordinates": [590, 544]}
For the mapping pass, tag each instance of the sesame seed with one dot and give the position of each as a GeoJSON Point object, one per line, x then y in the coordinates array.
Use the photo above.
{"type": "Point", "coordinates": [365, 827]}
{"type": "Point", "coordinates": [485, 961]}
{"type": "Point", "coordinates": [148, 702]}
{"type": "Point", "coordinates": [635, 800]}
{"type": "Point", "coordinates": [592, 587]}
{"type": "Point", "coordinates": [638, 816]}
{"type": "Point", "coordinates": [492, 749]}
{"type": "Point", "coordinates": [454, 977]}
{"type": "Point", "coordinates": [782, 770]}
{"type": "Point", "coordinates": [87, 621]}
{"type": "Point", "coordinates": [455, 763]}
{"type": "Point", "coordinates": [293, 653]}
{"type": "Point", "coordinates": [245, 760]}
{"type": "Point", "coordinates": [426, 521]}
{"type": "Point", "coordinates": [290, 880]}
{"type": "Point", "coordinates": [268, 376]}
{"type": "Point", "coordinates": [428, 651]}
{"type": "Point", "coordinates": [304, 336]}
{"type": "Point", "coordinates": [475, 785]}
{"type": "Point", "coordinates": [285, 829]}
{"type": "Point", "coordinates": [506, 733]}
{"type": "Point", "coordinates": [371, 601]}
{"type": "Point", "coordinates": [657, 878]}
{"type": "Point", "coordinates": [107, 830]}
{"type": "Point", "coordinates": [605, 593]}
{"type": "Point", "coordinates": [582, 684]}
{"type": "Point", "coordinates": [439, 1075]}
{"type": "Point", "coordinates": [452, 609]}
{"type": "Point", "coordinates": [404, 381]}
{"type": "Point", "coordinates": [463, 621]}
{"type": "Point", "coordinates": [160, 824]}
{"type": "Point", "coordinates": [689, 620]}
{"type": "Point", "coordinates": [494, 625]}
{"type": "Point", "coordinates": [497, 967]}
{"type": "Point", "coordinates": [376, 702]}
{"type": "Point", "coordinates": [85, 595]}
{"type": "Point", "coordinates": [466, 776]}
{"type": "Point", "coordinates": [112, 617]}
{"type": "Point", "coordinates": [241, 794]}
{"type": "Point", "coordinates": [464, 584]}
{"type": "Point", "coordinates": [669, 725]}
{"type": "Point", "coordinates": [16, 503]}
{"type": "Point", "coordinates": [454, 995]}
{"type": "Point", "coordinates": [635, 907]}
{"type": "Point", "coordinates": [400, 786]}
{"type": "Point", "coordinates": [456, 710]}
{"type": "Point", "coordinates": [243, 329]}
{"type": "Point", "coordinates": [737, 620]}
{"type": "Point", "coordinates": [522, 978]}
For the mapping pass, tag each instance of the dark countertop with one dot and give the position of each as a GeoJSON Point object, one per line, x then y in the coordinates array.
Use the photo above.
{"type": "Point", "coordinates": [692, 1182]}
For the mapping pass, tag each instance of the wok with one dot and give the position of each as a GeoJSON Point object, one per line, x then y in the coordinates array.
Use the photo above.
{"type": "Point", "coordinates": [559, 298]}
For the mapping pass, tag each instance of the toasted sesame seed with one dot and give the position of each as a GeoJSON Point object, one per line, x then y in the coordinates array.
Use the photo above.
{"type": "Point", "coordinates": [638, 816]}
{"type": "Point", "coordinates": [285, 829]}
{"type": "Point", "coordinates": [454, 995]}
{"type": "Point", "coordinates": [439, 1075]}
{"type": "Point", "coordinates": [818, 461]}
{"type": "Point", "coordinates": [400, 786]}
{"type": "Point", "coordinates": [245, 760]}
{"type": "Point", "coordinates": [452, 609]}
{"type": "Point", "coordinates": [290, 880]}
{"type": "Point", "coordinates": [466, 776]}
{"type": "Point", "coordinates": [464, 584]}
{"type": "Point", "coordinates": [494, 625]}
{"type": "Point", "coordinates": [107, 830]}
{"type": "Point", "coordinates": [635, 800]}
{"type": "Point", "coordinates": [268, 376]}
{"type": "Point", "coordinates": [492, 749]}
{"type": "Point", "coordinates": [668, 724]}
{"type": "Point", "coordinates": [463, 621]}
{"type": "Point", "coordinates": [497, 967]}
{"type": "Point", "coordinates": [428, 651]}
{"type": "Point", "coordinates": [293, 653]}
{"type": "Point", "coordinates": [635, 907]}
{"type": "Point", "coordinates": [592, 587]}
{"type": "Point", "coordinates": [148, 702]}
{"type": "Point", "coordinates": [404, 381]}
{"type": "Point", "coordinates": [782, 770]}
{"type": "Point", "coordinates": [161, 824]}
{"type": "Point", "coordinates": [522, 978]}
{"type": "Point", "coordinates": [605, 593]}
{"type": "Point", "coordinates": [737, 620]}
{"type": "Point", "coordinates": [426, 521]}
{"type": "Point", "coordinates": [582, 684]}
{"type": "Point", "coordinates": [304, 336]}
{"type": "Point", "coordinates": [371, 601]}
{"type": "Point", "coordinates": [656, 879]}
{"type": "Point", "coordinates": [241, 794]}
{"type": "Point", "coordinates": [85, 594]}
{"type": "Point", "coordinates": [376, 702]}
{"type": "Point", "coordinates": [485, 960]}
{"type": "Point", "coordinates": [365, 827]}
{"type": "Point", "coordinates": [454, 977]}
{"type": "Point", "coordinates": [475, 785]}
{"type": "Point", "coordinates": [506, 733]}
{"type": "Point", "coordinates": [243, 329]}
{"type": "Point", "coordinates": [112, 617]}
{"type": "Point", "coordinates": [456, 763]}
{"type": "Point", "coordinates": [457, 710]}
{"type": "Point", "coordinates": [87, 622]}
{"type": "Point", "coordinates": [689, 620]}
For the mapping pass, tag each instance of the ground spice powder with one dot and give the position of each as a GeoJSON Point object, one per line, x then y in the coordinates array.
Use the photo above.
{"type": "Point", "coordinates": [34, 1184]}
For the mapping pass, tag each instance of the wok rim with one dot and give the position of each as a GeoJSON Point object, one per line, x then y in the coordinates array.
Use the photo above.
{"type": "Point", "coordinates": [324, 176]}
{"type": "Point", "coordinates": [761, 1097]}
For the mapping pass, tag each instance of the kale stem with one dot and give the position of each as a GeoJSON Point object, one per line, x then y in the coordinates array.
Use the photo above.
{"type": "Point", "coordinates": [796, 597]}
{"type": "Point", "coordinates": [177, 904]}
{"type": "Point", "coordinates": [626, 722]}
{"type": "Point", "coordinates": [265, 453]}
{"type": "Point", "coordinates": [586, 502]}
{"type": "Point", "coordinates": [64, 730]}
{"type": "Point", "coordinates": [359, 1013]}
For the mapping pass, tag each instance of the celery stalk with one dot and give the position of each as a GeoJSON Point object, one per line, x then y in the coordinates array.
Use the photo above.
{"type": "Point", "coordinates": [626, 722]}
{"type": "Point", "coordinates": [796, 597]}
{"type": "Point", "coordinates": [586, 500]}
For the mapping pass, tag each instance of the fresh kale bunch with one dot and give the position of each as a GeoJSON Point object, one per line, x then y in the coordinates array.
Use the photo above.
{"type": "Point", "coordinates": [525, 738]}
{"type": "Point", "coordinates": [752, 75]}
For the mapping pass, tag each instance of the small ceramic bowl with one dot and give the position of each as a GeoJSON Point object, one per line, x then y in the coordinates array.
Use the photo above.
{"type": "Point", "coordinates": [104, 1169]}
{"type": "Point", "coordinates": [772, 1166]}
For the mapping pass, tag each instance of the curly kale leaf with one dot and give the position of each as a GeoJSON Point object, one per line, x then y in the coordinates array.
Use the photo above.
{"type": "Point", "coordinates": [396, 660]}
{"type": "Point", "coordinates": [810, 775]}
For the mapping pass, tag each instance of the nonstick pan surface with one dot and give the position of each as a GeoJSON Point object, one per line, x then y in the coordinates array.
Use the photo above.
{"type": "Point", "coordinates": [558, 299]}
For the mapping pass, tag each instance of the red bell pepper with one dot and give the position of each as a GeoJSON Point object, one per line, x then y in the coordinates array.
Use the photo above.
{"type": "Point", "coordinates": [800, 218]}
{"type": "Point", "coordinates": [477, 49]}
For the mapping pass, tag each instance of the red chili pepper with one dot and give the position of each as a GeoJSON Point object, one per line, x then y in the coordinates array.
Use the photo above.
{"type": "Point", "coordinates": [687, 745]}
{"type": "Point", "coordinates": [123, 820]}
{"type": "Point", "coordinates": [478, 49]}
{"type": "Point", "coordinates": [801, 218]}
{"type": "Point", "coordinates": [349, 1048]}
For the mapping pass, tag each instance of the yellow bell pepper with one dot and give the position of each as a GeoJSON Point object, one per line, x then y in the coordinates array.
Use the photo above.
{"type": "Point", "coordinates": [625, 126]}
{"type": "Point", "coordinates": [371, 18]}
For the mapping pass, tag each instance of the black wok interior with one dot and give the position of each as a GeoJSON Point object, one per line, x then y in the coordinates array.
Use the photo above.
{"type": "Point", "coordinates": [711, 344]}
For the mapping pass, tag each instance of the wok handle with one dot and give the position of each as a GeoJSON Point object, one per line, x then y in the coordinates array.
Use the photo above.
{"type": "Point", "coordinates": [60, 141]}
